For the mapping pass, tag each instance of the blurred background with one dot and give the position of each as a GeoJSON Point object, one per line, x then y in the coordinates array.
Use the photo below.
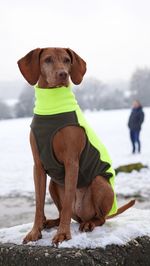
{"type": "Point", "coordinates": [113, 37]}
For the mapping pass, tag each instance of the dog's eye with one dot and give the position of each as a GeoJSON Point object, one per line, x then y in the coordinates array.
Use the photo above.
{"type": "Point", "coordinates": [49, 60]}
{"type": "Point", "coordinates": [66, 60]}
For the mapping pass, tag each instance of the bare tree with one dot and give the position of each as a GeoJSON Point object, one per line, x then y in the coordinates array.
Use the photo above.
{"type": "Point", "coordinates": [94, 94]}
{"type": "Point", "coordinates": [5, 111]}
{"type": "Point", "coordinates": [140, 86]}
{"type": "Point", "coordinates": [24, 107]}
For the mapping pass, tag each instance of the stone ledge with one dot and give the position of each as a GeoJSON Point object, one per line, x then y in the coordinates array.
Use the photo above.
{"type": "Point", "coordinates": [134, 253]}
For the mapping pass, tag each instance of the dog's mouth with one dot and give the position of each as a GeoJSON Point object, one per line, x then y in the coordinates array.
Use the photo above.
{"type": "Point", "coordinates": [59, 83]}
{"type": "Point", "coordinates": [58, 86]}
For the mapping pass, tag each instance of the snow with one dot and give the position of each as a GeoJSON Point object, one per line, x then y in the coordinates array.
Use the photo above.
{"type": "Point", "coordinates": [135, 184]}
{"type": "Point", "coordinates": [16, 158]}
{"type": "Point", "coordinates": [118, 230]}
{"type": "Point", "coordinates": [16, 178]}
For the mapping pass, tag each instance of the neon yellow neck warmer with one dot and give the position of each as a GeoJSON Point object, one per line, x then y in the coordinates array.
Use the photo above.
{"type": "Point", "coordinates": [54, 101]}
{"type": "Point", "coordinates": [62, 100]}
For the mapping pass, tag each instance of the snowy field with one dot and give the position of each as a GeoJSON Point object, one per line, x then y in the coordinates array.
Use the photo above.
{"type": "Point", "coordinates": [111, 126]}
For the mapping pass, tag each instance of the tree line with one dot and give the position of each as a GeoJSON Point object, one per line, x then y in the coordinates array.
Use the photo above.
{"type": "Point", "coordinates": [92, 94]}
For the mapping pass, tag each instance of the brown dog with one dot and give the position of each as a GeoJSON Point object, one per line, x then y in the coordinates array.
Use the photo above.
{"type": "Point", "coordinates": [88, 203]}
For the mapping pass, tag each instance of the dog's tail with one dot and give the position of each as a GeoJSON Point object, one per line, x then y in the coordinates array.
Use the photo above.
{"type": "Point", "coordinates": [122, 209]}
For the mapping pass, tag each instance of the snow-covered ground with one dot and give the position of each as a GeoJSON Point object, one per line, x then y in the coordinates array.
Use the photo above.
{"type": "Point", "coordinates": [16, 177]}
{"type": "Point", "coordinates": [119, 230]}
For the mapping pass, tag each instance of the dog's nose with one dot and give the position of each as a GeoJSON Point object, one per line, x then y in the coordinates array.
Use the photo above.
{"type": "Point", "coordinates": [62, 74]}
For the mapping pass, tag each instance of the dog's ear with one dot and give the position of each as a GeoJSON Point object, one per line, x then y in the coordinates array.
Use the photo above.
{"type": "Point", "coordinates": [78, 67]}
{"type": "Point", "coordinates": [29, 66]}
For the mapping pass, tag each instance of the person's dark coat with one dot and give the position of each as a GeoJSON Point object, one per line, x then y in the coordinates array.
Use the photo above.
{"type": "Point", "coordinates": [136, 119]}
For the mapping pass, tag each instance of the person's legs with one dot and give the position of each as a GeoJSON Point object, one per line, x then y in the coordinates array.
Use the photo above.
{"type": "Point", "coordinates": [137, 139]}
{"type": "Point", "coordinates": [132, 137]}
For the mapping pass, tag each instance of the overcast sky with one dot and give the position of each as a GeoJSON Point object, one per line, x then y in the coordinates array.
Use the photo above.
{"type": "Point", "coordinates": [112, 36]}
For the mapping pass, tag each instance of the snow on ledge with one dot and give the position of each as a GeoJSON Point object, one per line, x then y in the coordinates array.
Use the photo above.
{"type": "Point", "coordinates": [119, 230]}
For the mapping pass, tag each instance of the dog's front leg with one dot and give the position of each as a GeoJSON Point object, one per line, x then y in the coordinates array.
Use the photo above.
{"type": "Point", "coordinates": [40, 191]}
{"type": "Point", "coordinates": [71, 177]}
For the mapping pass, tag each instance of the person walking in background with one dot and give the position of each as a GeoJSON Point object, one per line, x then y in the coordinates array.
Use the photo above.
{"type": "Point", "coordinates": [136, 119]}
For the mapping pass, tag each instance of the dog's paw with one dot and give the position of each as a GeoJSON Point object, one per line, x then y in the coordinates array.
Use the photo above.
{"type": "Point", "coordinates": [87, 226]}
{"type": "Point", "coordinates": [59, 238]}
{"type": "Point", "coordinates": [33, 235]}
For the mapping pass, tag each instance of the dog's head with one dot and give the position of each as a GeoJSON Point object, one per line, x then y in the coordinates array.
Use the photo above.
{"type": "Point", "coordinates": [52, 67]}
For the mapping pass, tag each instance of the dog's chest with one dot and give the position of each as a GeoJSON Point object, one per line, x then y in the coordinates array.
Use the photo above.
{"type": "Point", "coordinates": [44, 128]}
{"type": "Point", "coordinates": [80, 208]}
